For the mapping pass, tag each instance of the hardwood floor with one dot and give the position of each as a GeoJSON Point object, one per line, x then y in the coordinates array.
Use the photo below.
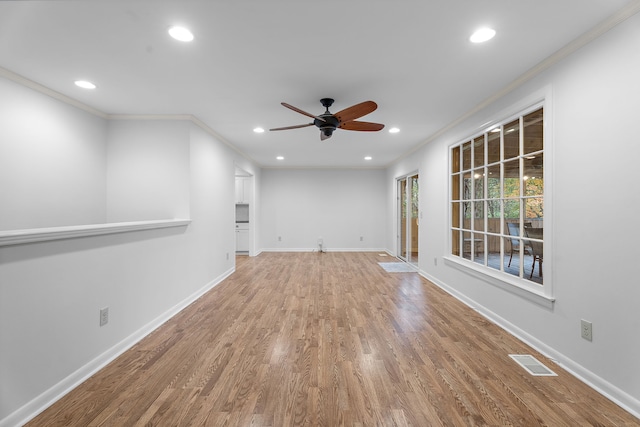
{"type": "Point", "coordinates": [327, 340]}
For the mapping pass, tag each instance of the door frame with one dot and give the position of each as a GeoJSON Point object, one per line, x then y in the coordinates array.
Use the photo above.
{"type": "Point", "coordinates": [404, 251]}
{"type": "Point", "coordinates": [240, 172]}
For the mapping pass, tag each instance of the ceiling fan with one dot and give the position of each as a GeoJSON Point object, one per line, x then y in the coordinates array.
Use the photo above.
{"type": "Point", "coordinates": [345, 119]}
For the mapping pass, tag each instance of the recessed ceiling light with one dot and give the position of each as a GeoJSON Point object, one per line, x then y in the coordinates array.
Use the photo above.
{"type": "Point", "coordinates": [280, 158]}
{"type": "Point", "coordinates": [258, 130]}
{"type": "Point", "coordinates": [368, 158]}
{"type": "Point", "coordinates": [85, 84]}
{"type": "Point", "coordinates": [394, 130]}
{"type": "Point", "coordinates": [181, 33]}
{"type": "Point", "coordinates": [482, 35]}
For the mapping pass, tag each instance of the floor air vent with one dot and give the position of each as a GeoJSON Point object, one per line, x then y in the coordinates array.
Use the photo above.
{"type": "Point", "coordinates": [532, 365]}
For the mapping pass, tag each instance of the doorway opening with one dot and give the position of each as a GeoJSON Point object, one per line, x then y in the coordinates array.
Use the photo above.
{"type": "Point", "coordinates": [408, 219]}
{"type": "Point", "coordinates": [244, 208]}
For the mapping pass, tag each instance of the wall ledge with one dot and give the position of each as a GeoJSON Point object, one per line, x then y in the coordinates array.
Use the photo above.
{"type": "Point", "coordinates": [501, 281]}
{"type": "Point", "coordinates": [33, 235]}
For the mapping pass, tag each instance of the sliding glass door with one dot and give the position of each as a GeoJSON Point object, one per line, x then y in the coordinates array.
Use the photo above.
{"type": "Point", "coordinates": [408, 219]}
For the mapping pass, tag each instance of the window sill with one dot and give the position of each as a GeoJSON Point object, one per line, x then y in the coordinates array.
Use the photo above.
{"type": "Point", "coordinates": [19, 237]}
{"type": "Point", "coordinates": [498, 280]}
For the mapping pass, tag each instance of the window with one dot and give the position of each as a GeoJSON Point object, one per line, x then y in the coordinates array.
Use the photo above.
{"type": "Point", "coordinates": [497, 198]}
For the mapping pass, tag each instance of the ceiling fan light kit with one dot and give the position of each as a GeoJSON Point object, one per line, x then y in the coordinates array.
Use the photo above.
{"type": "Point", "coordinates": [344, 119]}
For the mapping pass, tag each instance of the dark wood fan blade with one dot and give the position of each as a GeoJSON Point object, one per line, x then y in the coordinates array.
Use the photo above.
{"type": "Point", "coordinates": [297, 110]}
{"type": "Point", "coordinates": [361, 126]}
{"type": "Point", "coordinates": [293, 127]}
{"type": "Point", "coordinates": [356, 111]}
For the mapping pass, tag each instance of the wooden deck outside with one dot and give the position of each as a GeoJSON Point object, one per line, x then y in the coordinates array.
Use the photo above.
{"type": "Point", "coordinates": [330, 339]}
{"type": "Point", "coordinates": [493, 261]}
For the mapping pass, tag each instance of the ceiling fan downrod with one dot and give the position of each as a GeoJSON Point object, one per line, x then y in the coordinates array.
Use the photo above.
{"type": "Point", "coordinates": [330, 122]}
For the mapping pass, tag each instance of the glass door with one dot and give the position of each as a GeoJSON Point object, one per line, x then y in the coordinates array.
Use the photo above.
{"type": "Point", "coordinates": [408, 218]}
{"type": "Point", "coordinates": [402, 226]}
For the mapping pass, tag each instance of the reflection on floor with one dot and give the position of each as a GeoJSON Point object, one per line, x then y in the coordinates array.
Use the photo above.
{"type": "Point", "coordinates": [494, 262]}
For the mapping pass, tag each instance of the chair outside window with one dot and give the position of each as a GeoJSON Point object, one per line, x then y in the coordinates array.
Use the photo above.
{"type": "Point", "coordinates": [513, 229]}
{"type": "Point", "coordinates": [536, 248]}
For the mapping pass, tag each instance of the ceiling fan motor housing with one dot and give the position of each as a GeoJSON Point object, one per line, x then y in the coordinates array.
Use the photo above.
{"type": "Point", "coordinates": [330, 122]}
{"type": "Point", "coordinates": [329, 125]}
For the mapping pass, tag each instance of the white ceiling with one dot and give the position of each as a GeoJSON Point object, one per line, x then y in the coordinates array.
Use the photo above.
{"type": "Point", "coordinates": [412, 58]}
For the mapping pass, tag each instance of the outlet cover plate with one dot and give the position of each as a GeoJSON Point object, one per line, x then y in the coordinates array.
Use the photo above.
{"type": "Point", "coordinates": [104, 316]}
{"type": "Point", "coordinates": [586, 330]}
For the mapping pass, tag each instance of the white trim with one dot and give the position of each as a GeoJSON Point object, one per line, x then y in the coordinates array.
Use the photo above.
{"type": "Point", "coordinates": [179, 117]}
{"type": "Point", "coordinates": [617, 18]}
{"type": "Point", "coordinates": [21, 80]}
{"type": "Point", "coordinates": [330, 168]}
{"type": "Point", "coordinates": [501, 280]}
{"type": "Point", "coordinates": [542, 98]}
{"type": "Point", "coordinates": [32, 235]}
{"type": "Point", "coordinates": [537, 99]}
{"type": "Point", "coordinates": [325, 250]}
{"type": "Point", "coordinates": [17, 78]}
{"type": "Point", "coordinates": [398, 217]}
{"type": "Point", "coordinates": [605, 388]}
{"type": "Point", "coordinates": [53, 394]}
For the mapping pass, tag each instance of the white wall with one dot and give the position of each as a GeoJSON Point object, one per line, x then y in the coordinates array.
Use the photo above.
{"type": "Point", "coordinates": [212, 206]}
{"type": "Point", "coordinates": [51, 292]}
{"type": "Point", "coordinates": [338, 205]}
{"type": "Point", "coordinates": [147, 170]}
{"type": "Point", "coordinates": [52, 161]}
{"type": "Point", "coordinates": [592, 208]}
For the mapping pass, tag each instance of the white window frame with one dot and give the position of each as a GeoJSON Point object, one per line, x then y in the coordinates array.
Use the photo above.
{"type": "Point", "coordinates": [541, 294]}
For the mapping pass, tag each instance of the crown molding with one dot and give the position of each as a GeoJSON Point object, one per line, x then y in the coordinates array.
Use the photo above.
{"type": "Point", "coordinates": [17, 78]}
{"type": "Point", "coordinates": [614, 20]}
{"type": "Point", "coordinates": [181, 117]}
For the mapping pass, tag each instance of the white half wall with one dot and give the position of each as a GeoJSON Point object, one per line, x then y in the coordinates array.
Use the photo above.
{"type": "Point", "coordinates": [340, 206]}
{"type": "Point", "coordinates": [51, 292]}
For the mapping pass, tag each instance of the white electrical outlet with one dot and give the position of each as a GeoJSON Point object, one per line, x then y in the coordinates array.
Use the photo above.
{"type": "Point", "coordinates": [361, 238]}
{"type": "Point", "coordinates": [104, 316]}
{"type": "Point", "coordinates": [586, 330]}
{"type": "Point", "coordinates": [279, 238]}
{"type": "Point", "coordinates": [227, 256]}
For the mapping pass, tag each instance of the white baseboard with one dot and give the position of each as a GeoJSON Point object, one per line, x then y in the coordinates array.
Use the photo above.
{"type": "Point", "coordinates": [46, 399]}
{"type": "Point", "coordinates": [325, 250]}
{"type": "Point", "coordinates": [52, 395]}
{"type": "Point", "coordinates": [610, 391]}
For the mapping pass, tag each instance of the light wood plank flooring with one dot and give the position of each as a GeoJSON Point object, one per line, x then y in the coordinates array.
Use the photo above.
{"type": "Point", "coordinates": [328, 340]}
